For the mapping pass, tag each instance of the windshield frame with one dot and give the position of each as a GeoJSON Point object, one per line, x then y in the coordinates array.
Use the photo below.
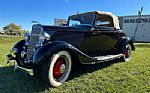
{"type": "Point", "coordinates": [92, 23]}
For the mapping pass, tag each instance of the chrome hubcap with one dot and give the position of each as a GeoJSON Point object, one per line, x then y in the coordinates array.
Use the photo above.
{"type": "Point", "coordinates": [62, 68]}
{"type": "Point", "coordinates": [59, 68]}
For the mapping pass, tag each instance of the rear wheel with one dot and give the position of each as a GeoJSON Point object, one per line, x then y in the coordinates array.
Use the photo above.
{"type": "Point", "coordinates": [56, 71]}
{"type": "Point", "coordinates": [126, 53]}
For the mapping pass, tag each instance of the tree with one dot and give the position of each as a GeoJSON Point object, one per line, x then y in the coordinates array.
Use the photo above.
{"type": "Point", "coordinates": [12, 29]}
{"type": "Point", "coordinates": [22, 32]}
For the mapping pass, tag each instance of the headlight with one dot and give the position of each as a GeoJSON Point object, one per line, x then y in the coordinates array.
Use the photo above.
{"type": "Point", "coordinates": [43, 36]}
{"type": "Point", "coordinates": [47, 36]}
{"type": "Point", "coordinates": [41, 39]}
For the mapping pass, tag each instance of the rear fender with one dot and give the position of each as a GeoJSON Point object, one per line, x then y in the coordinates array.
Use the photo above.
{"type": "Point", "coordinates": [122, 42]}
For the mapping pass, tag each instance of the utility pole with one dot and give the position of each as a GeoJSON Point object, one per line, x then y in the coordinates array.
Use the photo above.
{"type": "Point", "coordinates": [138, 21]}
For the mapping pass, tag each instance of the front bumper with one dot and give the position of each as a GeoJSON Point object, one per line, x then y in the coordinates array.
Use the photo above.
{"type": "Point", "coordinates": [10, 57]}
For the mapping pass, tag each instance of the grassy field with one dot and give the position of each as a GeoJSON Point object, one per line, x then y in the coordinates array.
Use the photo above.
{"type": "Point", "coordinates": [110, 77]}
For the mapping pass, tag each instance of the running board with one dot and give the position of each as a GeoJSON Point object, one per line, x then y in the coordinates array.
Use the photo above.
{"type": "Point", "coordinates": [108, 58]}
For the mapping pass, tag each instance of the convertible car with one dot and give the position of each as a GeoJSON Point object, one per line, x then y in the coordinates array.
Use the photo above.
{"type": "Point", "coordinates": [87, 38]}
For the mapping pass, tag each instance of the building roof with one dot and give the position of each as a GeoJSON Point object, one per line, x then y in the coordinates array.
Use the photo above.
{"type": "Point", "coordinates": [135, 16]}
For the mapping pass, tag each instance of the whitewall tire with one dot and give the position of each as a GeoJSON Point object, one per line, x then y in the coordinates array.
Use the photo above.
{"type": "Point", "coordinates": [127, 53]}
{"type": "Point", "coordinates": [58, 68]}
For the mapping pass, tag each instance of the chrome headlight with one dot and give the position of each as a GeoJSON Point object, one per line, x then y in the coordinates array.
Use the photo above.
{"type": "Point", "coordinates": [42, 37]}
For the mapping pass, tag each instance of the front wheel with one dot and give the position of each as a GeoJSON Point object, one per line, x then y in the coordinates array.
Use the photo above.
{"type": "Point", "coordinates": [126, 53]}
{"type": "Point", "coordinates": [56, 71]}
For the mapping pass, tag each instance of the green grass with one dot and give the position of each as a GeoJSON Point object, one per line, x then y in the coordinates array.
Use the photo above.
{"type": "Point", "coordinates": [110, 77]}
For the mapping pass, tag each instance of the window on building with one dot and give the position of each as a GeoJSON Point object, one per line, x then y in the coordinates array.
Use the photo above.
{"type": "Point", "coordinates": [126, 21]}
{"type": "Point", "coordinates": [132, 20]}
{"type": "Point", "coordinates": [145, 20]}
{"type": "Point", "coordinates": [138, 20]}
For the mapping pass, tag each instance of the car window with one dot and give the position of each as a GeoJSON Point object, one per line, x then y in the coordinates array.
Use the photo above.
{"type": "Point", "coordinates": [99, 22]}
{"type": "Point", "coordinates": [103, 20]}
{"type": "Point", "coordinates": [74, 23]}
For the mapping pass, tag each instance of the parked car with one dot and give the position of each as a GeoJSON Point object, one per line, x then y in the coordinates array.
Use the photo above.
{"type": "Point", "coordinates": [88, 38]}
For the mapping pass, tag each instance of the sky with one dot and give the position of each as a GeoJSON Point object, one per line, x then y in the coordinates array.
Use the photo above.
{"type": "Point", "coordinates": [23, 12]}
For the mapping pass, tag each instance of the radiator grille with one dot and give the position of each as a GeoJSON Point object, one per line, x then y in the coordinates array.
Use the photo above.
{"type": "Point", "coordinates": [34, 38]}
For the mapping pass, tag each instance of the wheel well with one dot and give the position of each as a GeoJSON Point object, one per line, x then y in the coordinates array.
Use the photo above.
{"type": "Point", "coordinates": [73, 54]}
{"type": "Point", "coordinates": [122, 43]}
{"type": "Point", "coordinates": [74, 57]}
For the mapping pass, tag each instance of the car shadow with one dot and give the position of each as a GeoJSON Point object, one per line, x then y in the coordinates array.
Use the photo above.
{"type": "Point", "coordinates": [20, 81]}
{"type": "Point", "coordinates": [17, 81]}
{"type": "Point", "coordinates": [83, 69]}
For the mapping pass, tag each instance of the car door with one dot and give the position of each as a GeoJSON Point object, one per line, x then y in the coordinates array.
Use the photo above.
{"type": "Point", "coordinates": [101, 39]}
{"type": "Point", "coordinates": [99, 42]}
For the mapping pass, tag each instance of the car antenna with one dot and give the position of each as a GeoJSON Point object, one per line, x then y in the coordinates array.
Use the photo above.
{"type": "Point", "coordinates": [138, 21]}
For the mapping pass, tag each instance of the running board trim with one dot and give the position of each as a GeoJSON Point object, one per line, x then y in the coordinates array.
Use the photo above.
{"type": "Point", "coordinates": [100, 59]}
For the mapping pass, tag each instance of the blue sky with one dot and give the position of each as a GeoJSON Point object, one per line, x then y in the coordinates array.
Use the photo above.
{"type": "Point", "coordinates": [22, 12]}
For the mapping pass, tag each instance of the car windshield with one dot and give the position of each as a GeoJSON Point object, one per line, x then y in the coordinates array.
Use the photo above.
{"type": "Point", "coordinates": [81, 19]}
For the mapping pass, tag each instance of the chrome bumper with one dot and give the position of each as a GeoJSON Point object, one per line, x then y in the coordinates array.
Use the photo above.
{"type": "Point", "coordinates": [10, 57]}
{"type": "Point", "coordinates": [27, 71]}
{"type": "Point", "coordinates": [16, 67]}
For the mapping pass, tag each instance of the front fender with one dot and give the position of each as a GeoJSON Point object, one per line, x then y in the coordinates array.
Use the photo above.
{"type": "Point", "coordinates": [16, 51]}
{"type": "Point", "coordinates": [19, 46]}
{"type": "Point", "coordinates": [51, 48]}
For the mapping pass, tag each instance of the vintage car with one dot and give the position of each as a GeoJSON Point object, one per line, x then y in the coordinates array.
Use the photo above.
{"type": "Point", "coordinates": [87, 38]}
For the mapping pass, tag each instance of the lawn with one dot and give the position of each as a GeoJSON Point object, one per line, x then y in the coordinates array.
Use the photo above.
{"type": "Point", "coordinates": [110, 77]}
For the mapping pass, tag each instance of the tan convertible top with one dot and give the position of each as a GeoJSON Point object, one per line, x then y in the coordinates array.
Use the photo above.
{"type": "Point", "coordinates": [114, 17]}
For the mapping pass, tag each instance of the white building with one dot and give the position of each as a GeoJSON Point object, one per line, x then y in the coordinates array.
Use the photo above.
{"type": "Point", "coordinates": [128, 25]}
{"type": "Point", "coordinates": [2, 32]}
{"type": "Point", "coordinates": [60, 22]}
